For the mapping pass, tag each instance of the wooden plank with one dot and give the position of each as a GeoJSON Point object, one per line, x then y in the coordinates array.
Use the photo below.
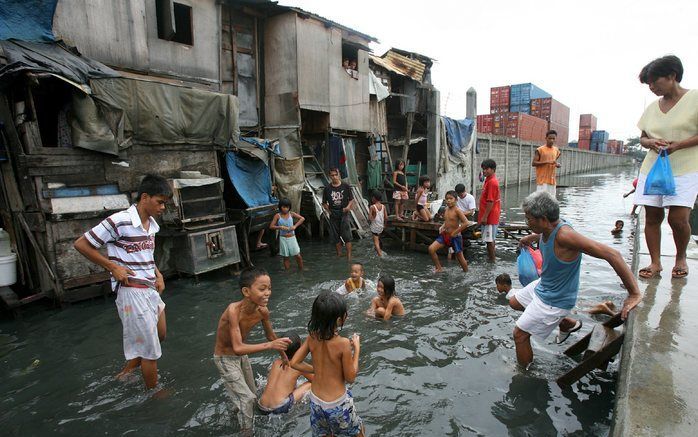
{"type": "Point", "coordinates": [90, 279]}
{"type": "Point", "coordinates": [594, 361]}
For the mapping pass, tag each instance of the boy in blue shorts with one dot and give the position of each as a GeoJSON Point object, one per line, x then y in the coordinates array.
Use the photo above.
{"type": "Point", "coordinates": [450, 233]}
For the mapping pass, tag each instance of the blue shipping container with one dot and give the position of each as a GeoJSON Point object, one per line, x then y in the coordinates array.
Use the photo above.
{"type": "Point", "coordinates": [526, 109]}
{"type": "Point", "coordinates": [599, 135]}
{"type": "Point", "coordinates": [522, 93]}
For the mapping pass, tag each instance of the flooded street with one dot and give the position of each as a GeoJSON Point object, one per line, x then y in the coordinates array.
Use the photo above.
{"type": "Point", "coordinates": [447, 367]}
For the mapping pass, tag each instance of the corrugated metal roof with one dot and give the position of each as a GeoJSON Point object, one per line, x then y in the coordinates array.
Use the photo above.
{"type": "Point", "coordinates": [401, 65]}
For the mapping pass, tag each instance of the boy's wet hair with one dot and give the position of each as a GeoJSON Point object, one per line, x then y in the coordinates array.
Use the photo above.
{"type": "Point", "coordinates": [284, 202]}
{"type": "Point", "coordinates": [503, 279]}
{"type": "Point", "coordinates": [250, 275]}
{"type": "Point", "coordinates": [460, 188]}
{"type": "Point", "coordinates": [376, 195]}
{"type": "Point", "coordinates": [451, 193]}
{"type": "Point", "coordinates": [294, 346]}
{"type": "Point", "coordinates": [153, 185]}
{"type": "Point", "coordinates": [488, 163]}
{"type": "Point", "coordinates": [388, 285]}
{"type": "Point", "coordinates": [662, 67]}
{"type": "Point", "coordinates": [327, 309]}
{"type": "Point", "coordinates": [620, 222]}
{"type": "Point", "coordinates": [357, 264]}
{"type": "Point", "coordinates": [551, 132]}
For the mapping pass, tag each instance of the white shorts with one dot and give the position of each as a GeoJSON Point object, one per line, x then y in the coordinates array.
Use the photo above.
{"type": "Point", "coordinates": [538, 319]}
{"type": "Point", "coordinates": [139, 310]}
{"type": "Point", "coordinates": [288, 246]}
{"type": "Point", "coordinates": [523, 295]}
{"type": "Point", "coordinates": [551, 189]}
{"type": "Point", "coordinates": [686, 192]}
{"type": "Point", "coordinates": [489, 233]}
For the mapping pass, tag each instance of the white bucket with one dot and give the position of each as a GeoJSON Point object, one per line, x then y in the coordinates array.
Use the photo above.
{"type": "Point", "coordinates": [8, 269]}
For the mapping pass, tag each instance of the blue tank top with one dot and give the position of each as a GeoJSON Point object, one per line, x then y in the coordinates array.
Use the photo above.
{"type": "Point", "coordinates": [285, 222]}
{"type": "Point", "coordinates": [559, 280]}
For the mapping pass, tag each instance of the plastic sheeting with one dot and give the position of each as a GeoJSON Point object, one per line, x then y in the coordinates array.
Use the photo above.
{"type": "Point", "coordinates": [259, 148]}
{"type": "Point", "coordinates": [54, 58]}
{"type": "Point", "coordinates": [290, 180]}
{"type": "Point", "coordinates": [459, 133]}
{"type": "Point", "coordinates": [376, 87]}
{"type": "Point", "coordinates": [154, 113]}
{"type": "Point", "coordinates": [350, 161]}
{"type": "Point", "coordinates": [27, 20]}
{"type": "Point", "coordinates": [251, 179]}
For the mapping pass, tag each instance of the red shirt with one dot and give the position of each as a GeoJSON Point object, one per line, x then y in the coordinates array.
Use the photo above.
{"type": "Point", "coordinates": [490, 192]}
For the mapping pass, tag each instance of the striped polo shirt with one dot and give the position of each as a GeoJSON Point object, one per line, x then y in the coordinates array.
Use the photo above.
{"type": "Point", "coordinates": [128, 245]}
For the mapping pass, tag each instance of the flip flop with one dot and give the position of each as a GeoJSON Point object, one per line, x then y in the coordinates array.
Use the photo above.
{"type": "Point", "coordinates": [648, 273]}
{"type": "Point", "coordinates": [679, 272]}
{"type": "Point", "coordinates": [564, 335]}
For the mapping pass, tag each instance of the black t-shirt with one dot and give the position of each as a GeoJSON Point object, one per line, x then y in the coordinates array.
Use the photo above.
{"type": "Point", "coordinates": [337, 197]}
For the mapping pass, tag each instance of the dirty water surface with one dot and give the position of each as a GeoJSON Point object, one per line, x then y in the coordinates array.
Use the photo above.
{"type": "Point", "coordinates": [447, 367]}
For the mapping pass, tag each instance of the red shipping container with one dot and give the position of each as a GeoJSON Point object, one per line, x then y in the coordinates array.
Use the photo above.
{"type": "Point", "coordinates": [585, 133]}
{"type": "Point", "coordinates": [526, 127]}
{"type": "Point", "coordinates": [499, 96]}
{"type": "Point", "coordinates": [563, 133]}
{"type": "Point", "coordinates": [484, 123]}
{"type": "Point", "coordinates": [551, 110]}
{"type": "Point", "coordinates": [583, 144]}
{"type": "Point", "coordinates": [499, 123]}
{"type": "Point", "coordinates": [587, 120]}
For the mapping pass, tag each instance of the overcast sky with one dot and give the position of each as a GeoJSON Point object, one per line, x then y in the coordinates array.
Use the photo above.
{"type": "Point", "coordinates": [587, 53]}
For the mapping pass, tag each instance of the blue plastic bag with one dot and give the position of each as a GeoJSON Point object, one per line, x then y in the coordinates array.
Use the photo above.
{"type": "Point", "coordinates": [660, 180]}
{"type": "Point", "coordinates": [527, 267]}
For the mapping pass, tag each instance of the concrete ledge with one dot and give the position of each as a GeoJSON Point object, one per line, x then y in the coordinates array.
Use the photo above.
{"type": "Point", "coordinates": [656, 394]}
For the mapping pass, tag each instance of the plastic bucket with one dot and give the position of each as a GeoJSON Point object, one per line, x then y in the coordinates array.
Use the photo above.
{"type": "Point", "coordinates": [8, 269]}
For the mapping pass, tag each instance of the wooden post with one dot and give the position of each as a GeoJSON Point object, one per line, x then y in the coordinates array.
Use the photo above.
{"type": "Point", "coordinates": [408, 135]}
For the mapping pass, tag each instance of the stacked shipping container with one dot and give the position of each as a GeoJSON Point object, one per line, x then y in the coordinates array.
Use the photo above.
{"type": "Point", "coordinates": [587, 124]}
{"type": "Point", "coordinates": [499, 99]}
{"type": "Point", "coordinates": [510, 107]}
{"type": "Point", "coordinates": [599, 141]}
{"type": "Point", "coordinates": [556, 114]}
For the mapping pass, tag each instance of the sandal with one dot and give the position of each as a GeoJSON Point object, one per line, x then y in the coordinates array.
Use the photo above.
{"type": "Point", "coordinates": [679, 272]}
{"type": "Point", "coordinates": [648, 273]}
{"type": "Point", "coordinates": [564, 335]}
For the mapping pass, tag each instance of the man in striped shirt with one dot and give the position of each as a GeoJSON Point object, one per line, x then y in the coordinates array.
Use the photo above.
{"type": "Point", "coordinates": [130, 240]}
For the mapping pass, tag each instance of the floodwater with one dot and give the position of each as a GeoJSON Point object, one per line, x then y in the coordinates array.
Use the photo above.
{"type": "Point", "coordinates": [446, 368]}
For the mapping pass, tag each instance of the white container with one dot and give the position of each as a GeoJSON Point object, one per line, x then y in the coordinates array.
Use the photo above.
{"type": "Point", "coordinates": [5, 247]}
{"type": "Point", "coordinates": [8, 269]}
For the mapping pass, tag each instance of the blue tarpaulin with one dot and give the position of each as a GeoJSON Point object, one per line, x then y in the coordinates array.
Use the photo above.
{"type": "Point", "coordinates": [27, 20]}
{"type": "Point", "coordinates": [458, 133]}
{"type": "Point", "coordinates": [251, 179]}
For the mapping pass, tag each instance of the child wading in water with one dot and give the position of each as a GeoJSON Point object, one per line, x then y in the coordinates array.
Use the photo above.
{"type": "Point", "coordinates": [422, 213]}
{"type": "Point", "coordinates": [230, 354]}
{"type": "Point", "coordinates": [283, 222]}
{"type": "Point", "coordinates": [130, 239]}
{"type": "Point", "coordinates": [332, 409]}
{"type": "Point", "coordinates": [355, 281]}
{"type": "Point", "coordinates": [386, 304]}
{"type": "Point", "coordinates": [401, 191]}
{"type": "Point", "coordinates": [281, 392]}
{"type": "Point", "coordinates": [450, 233]}
{"type": "Point", "coordinates": [378, 216]}
{"type": "Point", "coordinates": [618, 229]}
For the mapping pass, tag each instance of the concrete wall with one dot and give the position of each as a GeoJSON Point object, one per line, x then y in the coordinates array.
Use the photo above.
{"type": "Point", "coordinates": [123, 34]}
{"type": "Point", "coordinates": [514, 157]}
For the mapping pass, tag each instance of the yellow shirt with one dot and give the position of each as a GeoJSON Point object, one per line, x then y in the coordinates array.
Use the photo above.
{"type": "Point", "coordinates": [680, 123]}
{"type": "Point", "coordinates": [545, 174]}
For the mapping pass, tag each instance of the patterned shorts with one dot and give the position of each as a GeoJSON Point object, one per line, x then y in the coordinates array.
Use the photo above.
{"type": "Point", "coordinates": [337, 418]}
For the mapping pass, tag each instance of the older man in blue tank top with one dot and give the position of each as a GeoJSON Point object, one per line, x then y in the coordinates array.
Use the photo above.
{"type": "Point", "coordinates": [547, 303]}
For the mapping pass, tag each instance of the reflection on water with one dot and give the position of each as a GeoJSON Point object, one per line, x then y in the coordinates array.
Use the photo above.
{"type": "Point", "coordinates": [447, 367]}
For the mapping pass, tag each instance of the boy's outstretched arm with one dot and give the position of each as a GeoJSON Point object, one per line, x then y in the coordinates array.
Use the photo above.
{"type": "Point", "coordinates": [242, 348]}
{"type": "Point", "coordinates": [297, 362]}
{"type": "Point", "coordinates": [576, 241]}
{"type": "Point", "coordinates": [270, 334]}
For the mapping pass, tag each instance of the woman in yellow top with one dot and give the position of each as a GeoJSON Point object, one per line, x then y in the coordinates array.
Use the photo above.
{"type": "Point", "coordinates": [671, 124]}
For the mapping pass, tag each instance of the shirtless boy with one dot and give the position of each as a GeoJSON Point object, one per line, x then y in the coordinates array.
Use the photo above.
{"type": "Point", "coordinates": [230, 354]}
{"type": "Point", "coordinates": [281, 392]}
{"type": "Point", "coordinates": [450, 233]}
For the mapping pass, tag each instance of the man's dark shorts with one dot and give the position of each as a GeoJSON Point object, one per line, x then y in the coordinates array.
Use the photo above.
{"type": "Point", "coordinates": [340, 226]}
